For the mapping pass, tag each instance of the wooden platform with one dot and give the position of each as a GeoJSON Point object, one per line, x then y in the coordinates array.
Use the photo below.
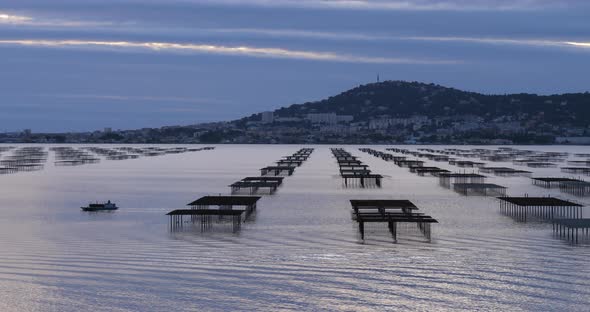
{"type": "Point", "coordinates": [201, 212]}
{"type": "Point", "coordinates": [467, 163]}
{"type": "Point", "coordinates": [550, 182]}
{"type": "Point", "coordinates": [278, 180]}
{"type": "Point", "coordinates": [362, 180]}
{"type": "Point", "coordinates": [576, 170]}
{"type": "Point", "coordinates": [353, 172]}
{"type": "Point", "coordinates": [409, 163]}
{"type": "Point", "coordinates": [391, 212]}
{"type": "Point", "coordinates": [423, 171]}
{"type": "Point", "coordinates": [572, 229]}
{"type": "Point", "coordinates": [224, 201]}
{"type": "Point", "coordinates": [479, 189]}
{"type": "Point", "coordinates": [447, 179]}
{"type": "Point", "coordinates": [269, 180]}
{"type": "Point", "coordinates": [544, 208]}
{"type": "Point", "coordinates": [505, 171]}
{"type": "Point", "coordinates": [576, 188]}
{"type": "Point", "coordinates": [289, 163]}
{"type": "Point", "coordinates": [277, 170]}
{"type": "Point", "coordinates": [254, 187]}
{"type": "Point", "coordinates": [204, 217]}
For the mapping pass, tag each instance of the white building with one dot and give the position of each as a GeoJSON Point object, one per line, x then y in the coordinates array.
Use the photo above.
{"type": "Point", "coordinates": [288, 119]}
{"type": "Point", "coordinates": [324, 118]}
{"type": "Point", "coordinates": [384, 123]}
{"type": "Point", "coordinates": [328, 118]}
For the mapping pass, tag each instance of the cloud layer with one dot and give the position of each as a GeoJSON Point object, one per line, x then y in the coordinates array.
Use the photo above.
{"type": "Point", "coordinates": [264, 52]}
{"type": "Point", "coordinates": [86, 64]}
{"type": "Point", "coordinates": [431, 5]}
{"type": "Point", "coordinates": [14, 19]}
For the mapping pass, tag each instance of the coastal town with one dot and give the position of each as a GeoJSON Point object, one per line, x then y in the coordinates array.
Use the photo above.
{"type": "Point", "coordinates": [391, 112]}
{"type": "Point", "coordinates": [336, 129]}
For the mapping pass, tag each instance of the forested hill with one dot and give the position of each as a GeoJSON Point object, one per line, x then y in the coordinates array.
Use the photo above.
{"type": "Point", "coordinates": [384, 113]}
{"type": "Point", "coordinates": [403, 99]}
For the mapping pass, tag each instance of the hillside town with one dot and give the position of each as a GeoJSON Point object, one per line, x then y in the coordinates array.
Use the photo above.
{"type": "Point", "coordinates": [391, 112]}
{"type": "Point", "coordinates": [335, 129]}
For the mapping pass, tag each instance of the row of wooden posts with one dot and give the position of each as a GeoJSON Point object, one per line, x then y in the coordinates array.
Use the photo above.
{"type": "Point", "coordinates": [202, 215]}
{"type": "Point", "coordinates": [355, 173]}
{"type": "Point", "coordinates": [566, 215]}
{"type": "Point", "coordinates": [271, 177]}
{"type": "Point", "coordinates": [462, 183]}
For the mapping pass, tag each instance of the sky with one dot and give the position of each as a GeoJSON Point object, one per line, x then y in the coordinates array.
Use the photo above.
{"type": "Point", "coordinates": [80, 65]}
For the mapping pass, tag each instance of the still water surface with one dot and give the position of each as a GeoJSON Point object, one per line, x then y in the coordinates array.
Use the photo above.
{"type": "Point", "coordinates": [300, 251]}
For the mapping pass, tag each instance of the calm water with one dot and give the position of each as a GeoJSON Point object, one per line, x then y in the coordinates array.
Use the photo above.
{"type": "Point", "coordinates": [299, 252]}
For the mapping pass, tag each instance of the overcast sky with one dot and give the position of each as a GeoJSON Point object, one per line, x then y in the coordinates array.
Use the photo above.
{"type": "Point", "coordinates": [70, 65]}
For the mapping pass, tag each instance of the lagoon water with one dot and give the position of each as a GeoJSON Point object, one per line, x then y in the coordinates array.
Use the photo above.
{"type": "Point", "coordinates": [300, 251]}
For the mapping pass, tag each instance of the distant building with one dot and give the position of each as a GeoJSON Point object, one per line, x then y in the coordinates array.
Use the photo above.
{"type": "Point", "coordinates": [324, 118]}
{"type": "Point", "coordinates": [267, 117]}
{"type": "Point", "coordinates": [328, 118]}
{"type": "Point", "coordinates": [107, 130]}
{"type": "Point", "coordinates": [384, 123]}
{"type": "Point", "coordinates": [27, 132]}
{"type": "Point", "coordinates": [288, 119]}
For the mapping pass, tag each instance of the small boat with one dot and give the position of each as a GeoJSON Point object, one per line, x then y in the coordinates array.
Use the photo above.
{"type": "Point", "coordinates": [100, 206]}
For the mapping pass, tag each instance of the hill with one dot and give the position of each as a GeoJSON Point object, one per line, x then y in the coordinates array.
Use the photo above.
{"type": "Point", "coordinates": [404, 99]}
{"type": "Point", "coordinates": [380, 113]}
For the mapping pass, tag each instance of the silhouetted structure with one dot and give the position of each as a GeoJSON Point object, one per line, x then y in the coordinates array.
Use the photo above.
{"type": "Point", "coordinates": [407, 163]}
{"type": "Point", "coordinates": [467, 163]}
{"type": "Point", "coordinates": [205, 218]}
{"type": "Point", "coordinates": [576, 170]}
{"type": "Point", "coordinates": [277, 170]}
{"type": "Point", "coordinates": [446, 179]}
{"type": "Point", "coordinates": [571, 229]}
{"type": "Point", "coordinates": [550, 182]}
{"type": "Point", "coordinates": [504, 171]}
{"type": "Point", "coordinates": [200, 212]}
{"type": "Point", "coordinates": [225, 202]}
{"type": "Point", "coordinates": [479, 189]}
{"type": "Point", "coordinates": [353, 172]}
{"type": "Point", "coordinates": [254, 187]}
{"type": "Point", "coordinates": [289, 163]}
{"type": "Point", "coordinates": [391, 212]}
{"type": "Point", "coordinates": [576, 188]}
{"type": "Point", "coordinates": [269, 181]}
{"type": "Point", "coordinates": [423, 171]}
{"type": "Point", "coordinates": [362, 179]}
{"type": "Point", "coordinates": [544, 208]}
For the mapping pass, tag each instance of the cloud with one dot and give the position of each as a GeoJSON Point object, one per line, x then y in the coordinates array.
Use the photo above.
{"type": "Point", "coordinates": [261, 52]}
{"type": "Point", "coordinates": [506, 41]}
{"type": "Point", "coordinates": [13, 19]}
{"type": "Point", "coordinates": [414, 5]}
{"type": "Point", "coordinates": [294, 33]}
{"type": "Point", "coordinates": [309, 34]}
{"type": "Point", "coordinates": [579, 44]}
{"type": "Point", "coordinates": [22, 20]}
{"type": "Point", "coordinates": [390, 5]}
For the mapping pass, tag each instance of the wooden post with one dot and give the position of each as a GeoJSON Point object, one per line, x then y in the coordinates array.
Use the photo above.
{"type": "Point", "coordinates": [362, 229]}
